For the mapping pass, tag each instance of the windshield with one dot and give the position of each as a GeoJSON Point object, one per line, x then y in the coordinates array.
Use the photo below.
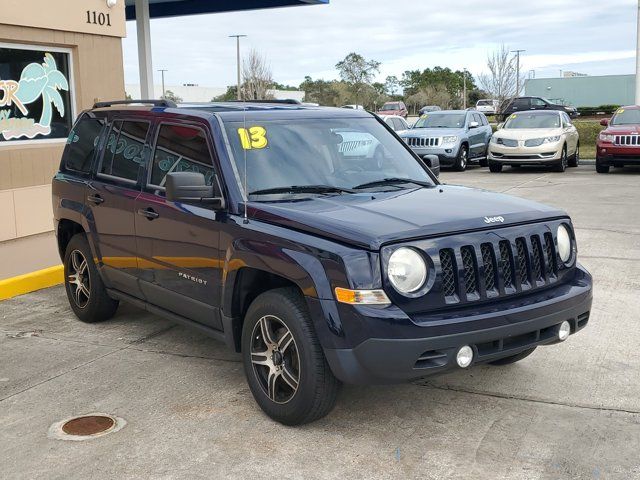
{"type": "Point", "coordinates": [342, 153]}
{"type": "Point", "coordinates": [626, 117]}
{"type": "Point", "coordinates": [441, 120]}
{"type": "Point", "coordinates": [533, 120]}
{"type": "Point", "coordinates": [390, 106]}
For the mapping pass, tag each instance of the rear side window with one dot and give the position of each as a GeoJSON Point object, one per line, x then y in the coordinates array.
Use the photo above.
{"type": "Point", "coordinates": [521, 103]}
{"type": "Point", "coordinates": [181, 148]}
{"type": "Point", "coordinates": [125, 149]}
{"type": "Point", "coordinates": [82, 144]}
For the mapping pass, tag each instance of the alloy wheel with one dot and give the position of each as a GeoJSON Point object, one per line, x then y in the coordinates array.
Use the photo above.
{"type": "Point", "coordinates": [275, 359]}
{"type": "Point", "coordinates": [79, 279]}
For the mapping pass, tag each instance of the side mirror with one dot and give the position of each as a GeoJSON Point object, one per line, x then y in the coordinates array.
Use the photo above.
{"type": "Point", "coordinates": [474, 125]}
{"type": "Point", "coordinates": [191, 187]}
{"type": "Point", "coordinates": [604, 122]}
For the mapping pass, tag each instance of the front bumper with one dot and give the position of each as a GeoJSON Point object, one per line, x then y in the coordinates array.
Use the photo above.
{"type": "Point", "coordinates": [522, 155]}
{"type": "Point", "coordinates": [508, 332]}
{"type": "Point", "coordinates": [447, 155]}
{"type": "Point", "coordinates": [609, 154]}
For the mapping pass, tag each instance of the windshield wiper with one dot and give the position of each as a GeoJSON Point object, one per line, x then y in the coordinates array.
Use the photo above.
{"type": "Point", "coordinates": [302, 189]}
{"type": "Point", "coordinates": [392, 181]}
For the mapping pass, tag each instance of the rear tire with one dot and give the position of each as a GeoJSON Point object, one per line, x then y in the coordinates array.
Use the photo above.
{"type": "Point", "coordinates": [513, 358]}
{"type": "Point", "coordinates": [87, 295]}
{"type": "Point", "coordinates": [285, 366]}
{"type": "Point", "coordinates": [495, 167]}
{"type": "Point", "coordinates": [574, 161]}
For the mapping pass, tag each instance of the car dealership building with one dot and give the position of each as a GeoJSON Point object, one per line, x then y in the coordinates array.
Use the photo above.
{"type": "Point", "coordinates": [56, 59]}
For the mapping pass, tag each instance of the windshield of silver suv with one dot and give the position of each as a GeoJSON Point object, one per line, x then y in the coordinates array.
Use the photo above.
{"type": "Point", "coordinates": [441, 120]}
{"type": "Point", "coordinates": [328, 155]}
{"type": "Point", "coordinates": [533, 120]}
{"type": "Point", "coordinates": [626, 117]}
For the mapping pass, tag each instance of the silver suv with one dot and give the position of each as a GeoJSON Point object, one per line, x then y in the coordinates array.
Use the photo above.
{"type": "Point", "coordinates": [457, 137]}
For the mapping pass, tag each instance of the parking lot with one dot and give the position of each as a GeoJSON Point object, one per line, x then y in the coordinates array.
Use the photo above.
{"type": "Point", "coordinates": [567, 411]}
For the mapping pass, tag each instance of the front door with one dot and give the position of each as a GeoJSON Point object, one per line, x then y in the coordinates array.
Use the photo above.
{"type": "Point", "coordinates": [110, 199]}
{"type": "Point", "coordinates": [178, 244]}
{"type": "Point", "coordinates": [476, 137]}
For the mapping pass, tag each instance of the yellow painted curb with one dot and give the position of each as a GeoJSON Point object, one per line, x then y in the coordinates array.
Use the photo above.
{"type": "Point", "coordinates": [30, 282]}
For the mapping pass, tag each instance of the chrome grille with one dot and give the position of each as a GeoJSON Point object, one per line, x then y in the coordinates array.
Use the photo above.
{"type": "Point", "coordinates": [448, 275]}
{"type": "Point", "coordinates": [423, 141]}
{"type": "Point", "coordinates": [508, 142]}
{"type": "Point", "coordinates": [633, 140]}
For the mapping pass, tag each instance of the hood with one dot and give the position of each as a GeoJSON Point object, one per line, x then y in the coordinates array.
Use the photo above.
{"type": "Point", "coordinates": [622, 129]}
{"type": "Point", "coordinates": [431, 132]}
{"type": "Point", "coordinates": [527, 133]}
{"type": "Point", "coordinates": [370, 220]}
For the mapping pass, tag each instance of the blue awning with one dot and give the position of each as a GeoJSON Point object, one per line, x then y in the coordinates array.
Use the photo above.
{"type": "Point", "coordinates": [177, 8]}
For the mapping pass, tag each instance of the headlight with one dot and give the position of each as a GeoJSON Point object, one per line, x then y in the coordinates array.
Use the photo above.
{"type": "Point", "coordinates": [407, 270]}
{"type": "Point", "coordinates": [494, 140]}
{"type": "Point", "coordinates": [605, 137]}
{"type": "Point", "coordinates": [564, 243]}
{"type": "Point", "coordinates": [551, 139]}
{"type": "Point", "coordinates": [450, 139]}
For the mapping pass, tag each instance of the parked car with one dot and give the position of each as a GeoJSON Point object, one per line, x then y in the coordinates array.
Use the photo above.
{"type": "Point", "coordinates": [428, 109]}
{"type": "Point", "coordinates": [353, 107]}
{"type": "Point", "coordinates": [457, 137]}
{"type": "Point", "coordinates": [488, 106]}
{"type": "Point", "coordinates": [394, 108]}
{"type": "Point", "coordinates": [619, 144]}
{"type": "Point", "coordinates": [252, 225]}
{"type": "Point", "coordinates": [535, 138]}
{"type": "Point", "coordinates": [521, 104]}
{"type": "Point", "coordinates": [396, 122]}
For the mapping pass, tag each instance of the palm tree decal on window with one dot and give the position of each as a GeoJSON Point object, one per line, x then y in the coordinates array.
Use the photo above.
{"type": "Point", "coordinates": [38, 80]}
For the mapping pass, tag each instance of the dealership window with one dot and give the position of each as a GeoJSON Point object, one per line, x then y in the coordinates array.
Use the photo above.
{"type": "Point", "coordinates": [35, 93]}
{"type": "Point", "coordinates": [82, 143]}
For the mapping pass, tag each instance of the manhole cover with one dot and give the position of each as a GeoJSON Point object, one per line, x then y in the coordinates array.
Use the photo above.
{"type": "Point", "coordinates": [89, 425]}
{"type": "Point", "coordinates": [85, 427]}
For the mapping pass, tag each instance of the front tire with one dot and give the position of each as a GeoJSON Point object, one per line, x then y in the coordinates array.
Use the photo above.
{"type": "Point", "coordinates": [87, 295]}
{"type": "Point", "coordinates": [285, 366]}
{"type": "Point", "coordinates": [513, 358]}
{"type": "Point", "coordinates": [600, 168]}
{"type": "Point", "coordinates": [574, 161]}
{"type": "Point", "coordinates": [561, 166]}
{"type": "Point", "coordinates": [461, 161]}
{"type": "Point", "coordinates": [495, 167]}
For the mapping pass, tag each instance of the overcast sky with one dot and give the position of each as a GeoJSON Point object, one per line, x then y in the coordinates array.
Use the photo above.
{"type": "Point", "coordinates": [596, 37]}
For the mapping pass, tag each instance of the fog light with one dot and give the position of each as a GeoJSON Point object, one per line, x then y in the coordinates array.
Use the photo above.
{"type": "Point", "coordinates": [464, 356]}
{"type": "Point", "coordinates": [564, 331]}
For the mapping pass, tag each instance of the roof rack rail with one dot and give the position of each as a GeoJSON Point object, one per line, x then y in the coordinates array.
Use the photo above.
{"type": "Point", "coordinates": [288, 101]}
{"type": "Point", "coordinates": [158, 103]}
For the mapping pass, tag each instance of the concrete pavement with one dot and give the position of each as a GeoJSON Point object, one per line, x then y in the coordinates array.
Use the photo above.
{"type": "Point", "coordinates": [570, 411]}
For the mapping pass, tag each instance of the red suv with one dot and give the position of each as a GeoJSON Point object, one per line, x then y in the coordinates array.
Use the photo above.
{"type": "Point", "coordinates": [394, 108]}
{"type": "Point", "coordinates": [619, 143]}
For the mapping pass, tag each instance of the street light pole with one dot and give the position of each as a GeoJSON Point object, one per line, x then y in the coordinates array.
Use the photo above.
{"type": "Point", "coordinates": [638, 58]}
{"type": "Point", "coordinates": [464, 89]}
{"type": "Point", "coordinates": [237, 37]}
{"type": "Point", "coordinates": [518, 52]}
{"type": "Point", "coordinates": [162, 70]}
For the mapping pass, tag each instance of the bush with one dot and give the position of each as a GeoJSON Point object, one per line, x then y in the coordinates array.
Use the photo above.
{"type": "Point", "coordinates": [602, 109]}
{"type": "Point", "coordinates": [588, 131]}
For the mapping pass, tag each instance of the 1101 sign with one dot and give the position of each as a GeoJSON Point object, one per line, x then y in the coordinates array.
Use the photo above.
{"type": "Point", "coordinates": [95, 18]}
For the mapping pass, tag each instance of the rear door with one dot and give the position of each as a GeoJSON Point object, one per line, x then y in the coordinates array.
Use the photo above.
{"type": "Point", "coordinates": [110, 199]}
{"type": "Point", "coordinates": [178, 244]}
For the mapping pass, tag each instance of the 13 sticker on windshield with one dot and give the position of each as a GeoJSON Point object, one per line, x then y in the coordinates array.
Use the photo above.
{"type": "Point", "coordinates": [253, 137]}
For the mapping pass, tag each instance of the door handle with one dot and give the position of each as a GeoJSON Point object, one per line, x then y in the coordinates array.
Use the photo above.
{"type": "Point", "coordinates": [97, 199]}
{"type": "Point", "coordinates": [149, 213]}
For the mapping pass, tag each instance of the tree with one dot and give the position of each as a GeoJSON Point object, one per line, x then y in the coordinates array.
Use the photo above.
{"type": "Point", "coordinates": [357, 72]}
{"type": "Point", "coordinates": [501, 80]}
{"type": "Point", "coordinates": [320, 91]}
{"type": "Point", "coordinates": [257, 78]}
{"type": "Point", "coordinates": [415, 80]}
{"type": "Point", "coordinates": [169, 95]}
{"type": "Point", "coordinates": [391, 85]}
{"type": "Point", "coordinates": [227, 96]}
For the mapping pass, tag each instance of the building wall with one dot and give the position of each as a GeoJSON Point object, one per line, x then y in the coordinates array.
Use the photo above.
{"type": "Point", "coordinates": [585, 91]}
{"type": "Point", "coordinates": [26, 167]}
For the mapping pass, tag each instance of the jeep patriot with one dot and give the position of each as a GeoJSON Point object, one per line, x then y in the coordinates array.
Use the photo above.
{"type": "Point", "coordinates": [311, 240]}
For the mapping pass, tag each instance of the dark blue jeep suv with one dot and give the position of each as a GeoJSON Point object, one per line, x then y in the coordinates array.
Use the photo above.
{"type": "Point", "coordinates": [313, 241]}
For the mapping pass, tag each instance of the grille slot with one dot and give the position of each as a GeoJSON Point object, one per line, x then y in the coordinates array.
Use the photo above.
{"type": "Point", "coordinates": [536, 258]}
{"type": "Point", "coordinates": [423, 141]}
{"type": "Point", "coordinates": [469, 265]}
{"type": "Point", "coordinates": [627, 140]}
{"type": "Point", "coordinates": [505, 263]}
{"type": "Point", "coordinates": [447, 263]}
{"type": "Point", "coordinates": [523, 270]}
{"type": "Point", "coordinates": [488, 262]}
{"type": "Point", "coordinates": [552, 264]}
